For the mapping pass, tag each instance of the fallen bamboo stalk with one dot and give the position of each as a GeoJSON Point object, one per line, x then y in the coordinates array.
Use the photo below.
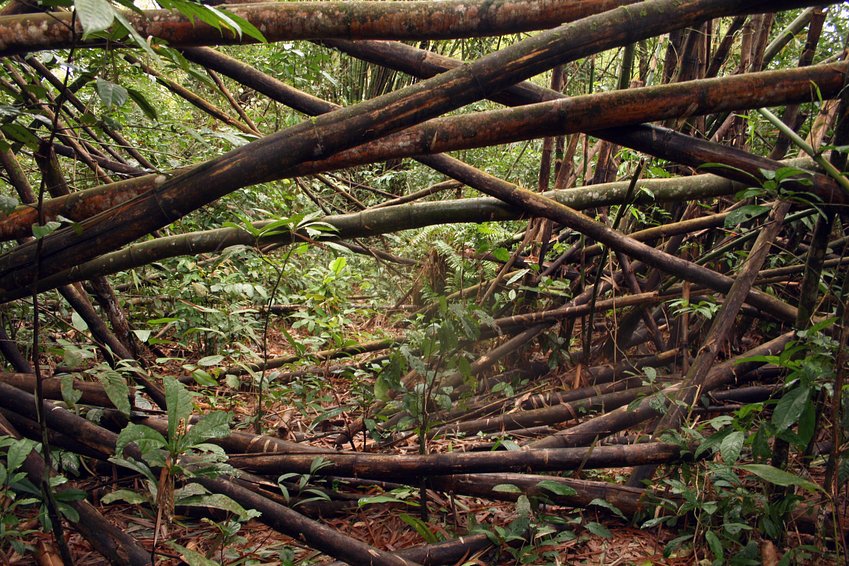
{"type": "Point", "coordinates": [311, 20]}
{"type": "Point", "coordinates": [393, 466]}
{"type": "Point", "coordinates": [345, 128]}
{"type": "Point", "coordinates": [551, 415]}
{"type": "Point", "coordinates": [605, 425]}
{"type": "Point", "coordinates": [334, 354]}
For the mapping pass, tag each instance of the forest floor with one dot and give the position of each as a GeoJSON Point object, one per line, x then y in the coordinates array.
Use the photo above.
{"type": "Point", "coordinates": [593, 535]}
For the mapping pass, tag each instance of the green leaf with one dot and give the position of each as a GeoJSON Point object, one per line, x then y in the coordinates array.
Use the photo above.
{"type": "Point", "coordinates": [715, 546]}
{"type": "Point", "coordinates": [70, 395]}
{"type": "Point", "coordinates": [210, 360]}
{"type": "Point", "coordinates": [142, 436]}
{"type": "Point", "coordinates": [116, 389]}
{"type": "Point", "coordinates": [779, 477]}
{"type": "Point", "coordinates": [382, 389]}
{"type": "Point", "coordinates": [131, 497]}
{"type": "Point", "coordinates": [420, 527]}
{"type": "Point", "coordinates": [213, 425]}
{"type": "Point", "coordinates": [609, 506]}
{"type": "Point", "coordinates": [7, 203]}
{"type": "Point", "coordinates": [557, 488]}
{"type": "Point", "coordinates": [598, 529]}
{"type": "Point", "coordinates": [18, 133]}
{"type": "Point", "coordinates": [17, 453]}
{"type": "Point", "coordinates": [245, 26]}
{"type": "Point", "coordinates": [789, 408]}
{"type": "Point", "coordinates": [111, 94]}
{"type": "Point", "coordinates": [144, 105]}
{"type": "Point", "coordinates": [381, 499]}
{"type": "Point", "coordinates": [204, 378]}
{"type": "Point", "coordinates": [78, 323]}
{"type": "Point", "coordinates": [731, 447]}
{"type": "Point", "coordinates": [501, 254]}
{"type": "Point", "coordinates": [506, 488]}
{"type": "Point", "coordinates": [137, 38]}
{"type": "Point", "coordinates": [179, 402]}
{"type": "Point", "coordinates": [217, 501]}
{"type": "Point", "coordinates": [142, 335]}
{"type": "Point", "coordinates": [94, 15]}
{"type": "Point", "coordinates": [744, 214]}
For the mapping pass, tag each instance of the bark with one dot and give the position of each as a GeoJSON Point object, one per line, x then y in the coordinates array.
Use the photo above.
{"type": "Point", "coordinates": [92, 393]}
{"type": "Point", "coordinates": [313, 20]}
{"type": "Point", "coordinates": [322, 136]}
{"type": "Point", "coordinates": [9, 349]}
{"type": "Point", "coordinates": [313, 533]}
{"type": "Point", "coordinates": [390, 219]}
{"type": "Point", "coordinates": [559, 413]}
{"type": "Point", "coordinates": [632, 106]}
{"type": "Point", "coordinates": [734, 163]}
{"type": "Point", "coordinates": [718, 334]}
{"type": "Point", "coordinates": [603, 426]}
{"type": "Point", "coordinates": [393, 466]}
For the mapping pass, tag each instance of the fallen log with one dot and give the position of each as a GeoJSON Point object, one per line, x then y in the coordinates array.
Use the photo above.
{"type": "Point", "coordinates": [394, 466]}
{"type": "Point", "coordinates": [311, 20]}
{"type": "Point", "coordinates": [348, 127]}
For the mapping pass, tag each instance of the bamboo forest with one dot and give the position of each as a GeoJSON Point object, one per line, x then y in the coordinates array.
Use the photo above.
{"type": "Point", "coordinates": [426, 282]}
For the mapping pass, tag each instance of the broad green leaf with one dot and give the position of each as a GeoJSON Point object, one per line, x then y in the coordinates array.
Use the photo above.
{"type": "Point", "coordinates": [17, 453]}
{"type": "Point", "coordinates": [744, 214]}
{"type": "Point", "coordinates": [789, 408]}
{"type": "Point", "coordinates": [204, 378]}
{"type": "Point", "coordinates": [116, 389]}
{"type": "Point", "coordinates": [210, 360]}
{"type": "Point", "coordinates": [421, 528]}
{"type": "Point", "coordinates": [245, 26]}
{"type": "Point", "coordinates": [380, 499]}
{"type": "Point", "coordinates": [779, 477]}
{"type": "Point", "coordinates": [598, 529]}
{"type": "Point", "coordinates": [607, 505]}
{"type": "Point", "coordinates": [94, 15]}
{"type": "Point", "coordinates": [143, 104]}
{"type": "Point", "coordinates": [217, 501]}
{"type": "Point", "coordinates": [137, 38]}
{"type": "Point", "coordinates": [381, 389]}
{"type": "Point", "coordinates": [131, 497]}
{"type": "Point", "coordinates": [70, 395]}
{"type": "Point", "coordinates": [111, 94]}
{"type": "Point", "coordinates": [139, 467]}
{"type": "Point", "coordinates": [506, 488]}
{"type": "Point", "coordinates": [7, 203]}
{"type": "Point", "coordinates": [142, 436]}
{"type": "Point", "coordinates": [142, 335]}
{"type": "Point", "coordinates": [557, 488]}
{"type": "Point", "coordinates": [179, 401]}
{"type": "Point", "coordinates": [213, 425]}
{"type": "Point", "coordinates": [715, 546]}
{"type": "Point", "coordinates": [78, 323]}
{"type": "Point", "coordinates": [39, 231]}
{"type": "Point", "coordinates": [18, 133]}
{"type": "Point", "coordinates": [731, 447]}
{"type": "Point", "coordinates": [191, 557]}
{"type": "Point", "coordinates": [501, 254]}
